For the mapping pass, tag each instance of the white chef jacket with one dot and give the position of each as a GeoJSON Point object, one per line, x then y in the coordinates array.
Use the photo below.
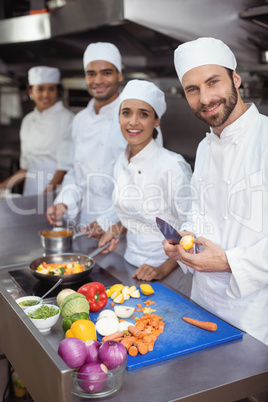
{"type": "Point", "coordinates": [45, 146]}
{"type": "Point", "coordinates": [97, 142]}
{"type": "Point", "coordinates": [230, 178]}
{"type": "Point", "coordinates": [154, 183]}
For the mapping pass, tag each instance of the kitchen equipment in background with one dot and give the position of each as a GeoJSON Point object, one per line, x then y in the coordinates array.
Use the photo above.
{"type": "Point", "coordinates": [59, 238]}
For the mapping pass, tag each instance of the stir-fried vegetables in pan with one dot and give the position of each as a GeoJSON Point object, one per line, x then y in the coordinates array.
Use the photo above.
{"type": "Point", "coordinates": [65, 268]}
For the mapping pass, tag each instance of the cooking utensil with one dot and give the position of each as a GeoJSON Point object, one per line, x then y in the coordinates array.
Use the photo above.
{"type": "Point", "coordinates": [53, 287]}
{"type": "Point", "coordinates": [87, 260]}
{"type": "Point", "coordinates": [171, 234]}
{"type": "Point", "coordinates": [60, 243]}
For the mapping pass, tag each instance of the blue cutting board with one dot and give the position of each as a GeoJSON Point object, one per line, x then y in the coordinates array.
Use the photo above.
{"type": "Point", "coordinates": [178, 337]}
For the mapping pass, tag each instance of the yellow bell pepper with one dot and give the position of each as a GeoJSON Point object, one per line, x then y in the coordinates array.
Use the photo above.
{"type": "Point", "coordinates": [82, 329]}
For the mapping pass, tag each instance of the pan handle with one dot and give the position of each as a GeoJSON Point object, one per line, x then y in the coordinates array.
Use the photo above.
{"type": "Point", "coordinates": [81, 234]}
{"type": "Point", "coordinates": [99, 250]}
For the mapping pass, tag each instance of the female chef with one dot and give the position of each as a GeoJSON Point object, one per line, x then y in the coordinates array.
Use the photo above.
{"type": "Point", "coordinates": [45, 136]}
{"type": "Point", "coordinates": [150, 181]}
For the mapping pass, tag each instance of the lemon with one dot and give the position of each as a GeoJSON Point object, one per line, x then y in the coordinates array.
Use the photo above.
{"type": "Point", "coordinates": [118, 286]}
{"type": "Point", "coordinates": [135, 294]}
{"type": "Point", "coordinates": [108, 292]}
{"type": "Point", "coordinates": [119, 299]}
{"type": "Point", "coordinates": [146, 289]}
{"type": "Point", "coordinates": [187, 242]}
{"type": "Point", "coordinates": [115, 294]}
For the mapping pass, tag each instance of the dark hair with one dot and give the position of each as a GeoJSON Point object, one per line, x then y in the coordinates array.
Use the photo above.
{"type": "Point", "coordinates": [155, 132]}
{"type": "Point", "coordinates": [229, 72]}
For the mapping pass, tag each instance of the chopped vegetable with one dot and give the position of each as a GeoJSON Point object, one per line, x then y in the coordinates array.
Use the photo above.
{"type": "Point", "coordinates": [209, 326]}
{"type": "Point", "coordinates": [43, 312]}
{"type": "Point", "coordinates": [65, 268]}
{"type": "Point", "coordinates": [95, 294]}
{"type": "Point", "coordinates": [62, 294]}
{"type": "Point", "coordinates": [124, 311]}
{"type": "Point", "coordinates": [107, 325]}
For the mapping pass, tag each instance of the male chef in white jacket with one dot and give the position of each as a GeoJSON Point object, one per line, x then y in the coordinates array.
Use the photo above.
{"type": "Point", "coordinates": [229, 212]}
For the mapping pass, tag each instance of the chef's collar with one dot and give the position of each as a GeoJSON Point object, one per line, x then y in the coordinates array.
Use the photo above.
{"type": "Point", "coordinates": [109, 109]}
{"type": "Point", "coordinates": [142, 157]}
{"type": "Point", "coordinates": [237, 128]}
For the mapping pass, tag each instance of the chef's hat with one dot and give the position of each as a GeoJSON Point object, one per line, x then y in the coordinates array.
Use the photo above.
{"type": "Point", "coordinates": [102, 51]}
{"type": "Point", "coordinates": [145, 91]}
{"type": "Point", "coordinates": [200, 52]}
{"type": "Point", "coordinates": [43, 75]}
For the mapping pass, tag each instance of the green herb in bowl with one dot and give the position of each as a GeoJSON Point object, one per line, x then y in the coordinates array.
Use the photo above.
{"type": "Point", "coordinates": [43, 312]}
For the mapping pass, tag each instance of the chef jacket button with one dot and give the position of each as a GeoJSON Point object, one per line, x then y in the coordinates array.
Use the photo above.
{"type": "Point", "coordinates": [228, 182]}
{"type": "Point", "coordinates": [139, 171]}
{"type": "Point", "coordinates": [236, 142]}
{"type": "Point", "coordinates": [208, 141]}
{"type": "Point", "coordinates": [200, 179]}
{"type": "Point", "coordinates": [202, 213]}
{"type": "Point", "coordinates": [225, 217]}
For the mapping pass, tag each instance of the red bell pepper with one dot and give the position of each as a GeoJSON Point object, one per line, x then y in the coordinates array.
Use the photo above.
{"type": "Point", "coordinates": [95, 294]}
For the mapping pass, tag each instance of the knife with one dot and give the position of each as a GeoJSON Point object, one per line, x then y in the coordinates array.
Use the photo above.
{"type": "Point", "coordinates": [171, 234]}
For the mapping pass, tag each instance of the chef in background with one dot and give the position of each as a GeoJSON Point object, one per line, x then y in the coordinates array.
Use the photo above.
{"type": "Point", "coordinates": [150, 181]}
{"type": "Point", "coordinates": [229, 211]}
{"type": "Point", "coordinates": [45, 136]}
{"type": "Point", "coordinates": [86, 194]}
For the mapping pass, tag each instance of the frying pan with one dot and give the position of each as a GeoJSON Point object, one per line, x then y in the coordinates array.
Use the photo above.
{"type": "Point", "coordinates": [66, 257]}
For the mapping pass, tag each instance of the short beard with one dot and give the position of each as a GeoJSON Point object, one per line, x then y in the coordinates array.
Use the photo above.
{"type": "Point", "coordinates": [218, 120]}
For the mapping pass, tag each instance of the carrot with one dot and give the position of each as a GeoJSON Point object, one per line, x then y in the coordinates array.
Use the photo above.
{"type": "Point", "coordinates": [139, 326]}
{"type": "Point", "coordinates": [127, 342]}
{"type": "Point", "coordinates": [134, 331]}
{"type": "Point", "coordinates": [112, 304]}
{"type": "Point", "coordinates": [113, 336]}
{"type": "Point", "coordinates": [150, 346]}
{"type": "Point", "coordinates": [209, 326]}
{"type": "Point", "coordinates": [139, 305]}
{"type": "Point", "coordinates": [133, 350]}
{"type": "Point", "coordinates": [142, 348]}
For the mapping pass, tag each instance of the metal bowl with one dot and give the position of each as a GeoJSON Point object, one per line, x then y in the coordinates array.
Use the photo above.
{"type": "Point", "coordinates": [57, 243]}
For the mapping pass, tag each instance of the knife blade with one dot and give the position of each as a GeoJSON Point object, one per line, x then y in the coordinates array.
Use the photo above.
{"type": "Point", "coordinates": [171, 234]}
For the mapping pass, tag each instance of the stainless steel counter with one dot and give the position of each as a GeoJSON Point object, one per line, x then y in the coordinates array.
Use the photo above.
{"type": "Point", "coordinates": [221, 373]}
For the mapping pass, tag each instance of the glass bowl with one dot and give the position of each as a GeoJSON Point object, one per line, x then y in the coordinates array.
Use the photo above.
{"type": "Point", "coordinates": [43, 324]}
{"type": "Point", "coordinates": [106, 384]}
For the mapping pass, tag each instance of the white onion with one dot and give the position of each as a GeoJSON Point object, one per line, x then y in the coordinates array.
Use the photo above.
{"type": "Point", "coordinates": [107, 326]}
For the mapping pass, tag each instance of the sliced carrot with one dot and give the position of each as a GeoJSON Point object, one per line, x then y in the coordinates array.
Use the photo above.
{"type": "Point", "coordinates": [142, 348]}
{"type": "Point", "coordinates": [133, 350]}
{"type": "Point", "coordinates": [139, 305]}
{"type": "Point", "coordinates": [127, 342]}
{"type": "Point", "coordinates": [133, 330]}
{"type": "Point", "coordinates": [208, 326]}
{"type": "Point", "coordinates": [112, 304]}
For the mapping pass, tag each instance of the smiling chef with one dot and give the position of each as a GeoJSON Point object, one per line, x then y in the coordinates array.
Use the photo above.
{"type": "Point", "coordinates": [230, 214]}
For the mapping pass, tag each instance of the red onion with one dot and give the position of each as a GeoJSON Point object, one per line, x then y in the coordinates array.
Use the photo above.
{"type": "Point", "coordinates": [112, 354]}
{"type": "Point", "coordinates": [93, 351]}
{"type": "Point", "coordinates": [73, 351]}
{"type": "Point", "coordinates": [92, 377]}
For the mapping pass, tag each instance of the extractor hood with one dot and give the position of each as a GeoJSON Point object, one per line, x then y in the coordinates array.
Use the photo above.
{"type": "Point", "coordinates": [145, 31]}
{"type": "Point", "coordinates": [258, 15]}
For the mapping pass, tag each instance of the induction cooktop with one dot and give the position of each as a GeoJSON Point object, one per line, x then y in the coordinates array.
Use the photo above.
{"type": "Point", "coordinates": [32, 286]}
